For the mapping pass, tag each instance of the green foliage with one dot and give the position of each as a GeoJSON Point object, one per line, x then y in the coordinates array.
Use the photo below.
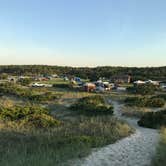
{"type": "Point", "coordinates": [134, 111]}
{"type": "Point", "coordinates": [153, 119]}
{"type": "Point", "coordinates": [41, 120]}
{"type": "Point", "coordinates": [17, 91]}
{"type": "Point", "coordinates": [63, 85]}
{"type": "Point", "coordinates": [3, 76]}
{"type": "Point", "coordinates": [155, 102]}
{"type": "Point", "coordinates": [145, 101]}
{"type": "Point", "coordinates": [25, 81]}
{"type": "Point", "coordinates": [92, 105]}
{"type": "Point", "coordinates": [163, 96]}
{"type": "Point", "coordinates": [48, 96]}
{"type": "Point", "coordinates": [160, 159]}
{"type": "Point", "coordinates": [62, 143]}
{"type": "Point", "coordinates": [30, 116]}
{"type": "Point", "coordinates": [154, 73]}
{"type": "Point", "coordinates": [145, 89]}
{"type": "Point", "coordinates": [17, 112]}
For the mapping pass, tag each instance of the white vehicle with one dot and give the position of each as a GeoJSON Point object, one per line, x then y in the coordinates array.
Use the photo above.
{"type": "Point", "coordinates": [41, 85]}
{"type": "Point", "coordinates": [152, 82]}
{"type": "Point", "coordinates": [139, 82]}
{"type": "Point", "coordinates": [37, 85]}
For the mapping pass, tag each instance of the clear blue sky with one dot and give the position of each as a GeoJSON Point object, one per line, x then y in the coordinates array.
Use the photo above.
{"type": "Point", "coordinates": [83, 32]}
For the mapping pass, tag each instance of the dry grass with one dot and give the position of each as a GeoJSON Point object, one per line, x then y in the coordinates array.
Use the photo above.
{"type": "Point", "coordinates": [160, 158]}
{"type": "Point", "coordinates": [56, 146]}
{"type": "Point", "coordinates": [134, 111]}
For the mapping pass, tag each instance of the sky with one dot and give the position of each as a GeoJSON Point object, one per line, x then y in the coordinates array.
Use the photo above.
{"type": "Point", "coordinates": [83, 32]}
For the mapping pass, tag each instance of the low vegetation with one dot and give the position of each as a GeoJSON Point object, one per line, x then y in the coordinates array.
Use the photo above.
{"type": "Point", "coordinates": [145, 89]}
{"type": "Point", "coordinates": [145, 101]}
{"type": "Point", "coordinates": [31, 135]}
{"type": "Point", "coordinates": [134, 111]}
{"type": "Point", "coordinates": [163, 96]}
{"type": "Point", "coordinates": [25, 81]}
{"type": "Point", "coordinates": [92, 105]}
{"type": "Point", "coordinates": [153, 119]}
{"type": "Point", "coordinates": [62, 85]}
{"type": "Point", "coordinates": [26, 93]}
{"type": "Point", "coordinates": [153, 73]}
{"type": "Point", "coordinates": [160, 158]}
{"type": "Point", "coordinates": [27, 116]}
{"type": "Point", "coordinates": [60, 144]}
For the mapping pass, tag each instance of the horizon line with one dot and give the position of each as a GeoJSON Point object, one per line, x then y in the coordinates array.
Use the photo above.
{"type": "Point", "coordinates": [83, 66]}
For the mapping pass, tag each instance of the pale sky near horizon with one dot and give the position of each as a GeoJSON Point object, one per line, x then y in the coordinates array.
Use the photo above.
{"type": "Point", "coordinates": [83, 32]}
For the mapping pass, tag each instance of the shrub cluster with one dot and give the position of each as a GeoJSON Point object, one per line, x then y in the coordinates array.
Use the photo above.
{"type": "Point", "coordinates": [153, 119]}
{"type": "Point", "coordinates": [160, 159]}
{"type": "Point", "coordinates": [59, 145]}
{"type": "Point", "coordinates": [25, 81]}
{"type": "Point", "coordinates": [145, 89]}
{"type": "Point", "coordinates": [48, 96]}
{"type": "Point", "coordinates": [145, 101]}
{"type": "Point", "coordinates": [26, 93]}
{"type": "Point", "coordinates": [62, 85]}
{"type": "Point", "coordinates": [34, 116]}
{"type": "Point", "coordinates": [92, 105]}
{"type": "Point", "coordinates": [163, 96]}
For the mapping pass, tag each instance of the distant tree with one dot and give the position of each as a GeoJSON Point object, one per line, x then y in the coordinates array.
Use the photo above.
{"type": "Point", "coordinates": [25, 81]}
{"type": "Point", "coordinates": [3, 76]}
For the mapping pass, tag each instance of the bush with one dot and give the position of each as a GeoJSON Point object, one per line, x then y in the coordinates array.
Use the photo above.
{"type": "Point", "coordinates": [92, 105]}
{"type": "Point", "coordinates": [26, 93]}
{"type": "Point", "coordinates": [42, 97]}
{"type": "Point", "coordinates": [65, 86]}
{"type": "Point", "coordinates": [163, 96]}
{"type": "Point", "coordinates": [29, 116]}
{"type": "Point", "coordinates": [62, 143]}
{"type": "Point", "coordinates": [153, 119]}
{"type": "Point", "coordinates": [155, 102]}
{"type": "Point", "coordinates": [145, 89]}
{"type": "Point", "coordinates": [134, 111]}
{"type": "Point", "coordinates": [39, 121]}
{"type": "Point", "coordinates": [145, 101]}
{"type": "Point", "coordinates": [25, 81]}
{"type": "Point", "coordinates": [160, 159]}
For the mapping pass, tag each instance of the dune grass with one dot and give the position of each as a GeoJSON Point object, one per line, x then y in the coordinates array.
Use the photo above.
{"type": "Point", "coordinates": [134, 111]}
{"type": "Point", "coordinates": [160, 158]}
{"type": "Point", "coordinates": [60, 144]}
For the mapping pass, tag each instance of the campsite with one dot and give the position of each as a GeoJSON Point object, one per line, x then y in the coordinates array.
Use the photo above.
{"type": "Point", "coordinates": [62, 113]}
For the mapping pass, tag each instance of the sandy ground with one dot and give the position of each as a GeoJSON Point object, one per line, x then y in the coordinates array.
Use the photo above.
{"type": "Point", "coordinates": [136, 150]}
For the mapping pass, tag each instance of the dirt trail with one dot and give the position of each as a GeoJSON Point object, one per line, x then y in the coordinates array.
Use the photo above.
{"type": "Point", "coordinates": [135, 150]}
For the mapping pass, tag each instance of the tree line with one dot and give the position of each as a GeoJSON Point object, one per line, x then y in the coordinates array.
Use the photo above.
{"type": "Point", "coordinates": [144, 73]}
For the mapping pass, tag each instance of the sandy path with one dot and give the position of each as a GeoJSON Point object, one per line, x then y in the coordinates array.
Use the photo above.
{"type": "Point", "coordinates": [136, 150]}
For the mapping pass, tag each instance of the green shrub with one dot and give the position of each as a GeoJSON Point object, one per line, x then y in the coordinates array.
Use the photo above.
{"type": "Point", "coordinates": [29, 116]}
{"type": "Point", "coordinates": [62, 85]}
{"type": "Point", "coordinates": [134, 111]}
{"type": "Point", "coordinates": [92, 105]}
{"type": "Point", "coordinates": [145, 101]}
{"type": "Point", "coordinates": [155, 102]}
{"type": "Point", "coordinates": [160, 159]}
{"type": "Point", "coordinates": [17, 91]}
{"type": "Point", "coordinates": [48, 96]}
{"type": "Point", "coordinates": [145, 89]}
{"type": "Point", "coordinates": [17, 112]}
{"type": "Point", "coordinates": [25, 81]}
{"type": "Point", "coordinates": [61, 144]}
{"type": "Point", "coordinates": [39, 121]}
{"type": "Point", "coordinates": [153, 119]}
{"type": "Point", "coordinates": [163, 96]}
